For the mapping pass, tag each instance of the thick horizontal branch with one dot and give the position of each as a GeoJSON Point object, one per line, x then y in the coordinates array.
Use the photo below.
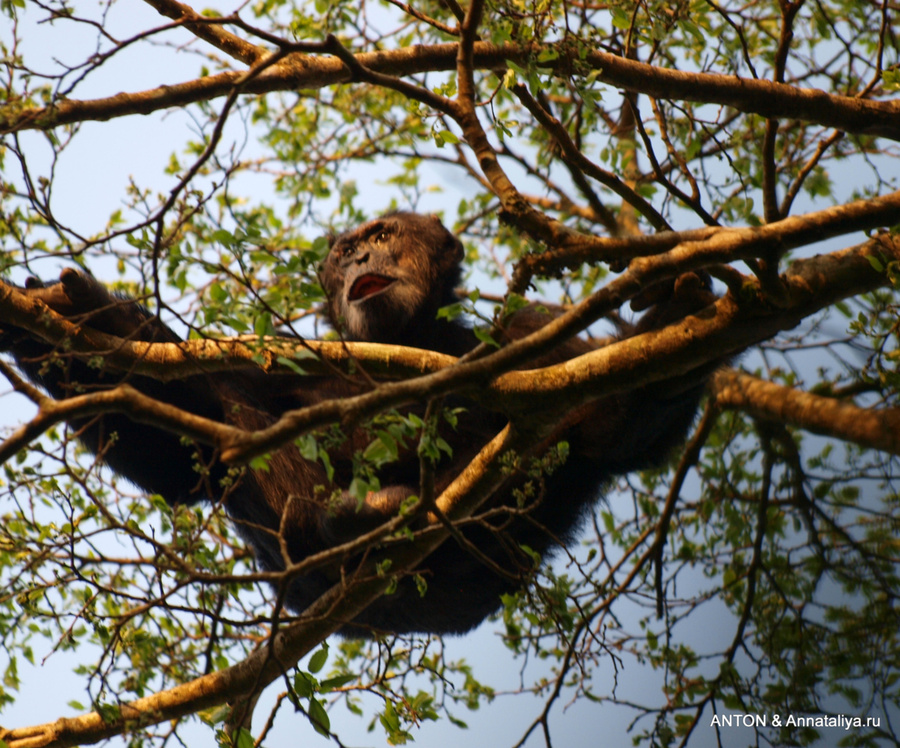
{"type": "Point", "coordinates": [752, 96]}
{"type": "Point", "coordinates": [168, 361]}
{"type": "Point", "coordinates": [861, 116]}
{"type": "Point", "coordinates": [569, 249]}
{"type": "Point", "coordinates": [868, 427]}
{"type": "Point", "coordinates": [661, 255]}
{"type": "Point", "coordinates": [731, 325]}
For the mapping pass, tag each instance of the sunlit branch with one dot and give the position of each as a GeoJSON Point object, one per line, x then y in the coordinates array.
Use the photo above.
{"type": "Point", "coordinates": [846, 113]}
{"type": "Point", "coordinates": [730, 326]}
{"type": "Point", "coordinates": [343, 602]}
{"type": "Point", "coordinates": [878, 428]}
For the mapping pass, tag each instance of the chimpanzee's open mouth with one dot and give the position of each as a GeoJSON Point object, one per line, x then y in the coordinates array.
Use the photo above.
{"type": "Point", "coordinates": [368, 285]}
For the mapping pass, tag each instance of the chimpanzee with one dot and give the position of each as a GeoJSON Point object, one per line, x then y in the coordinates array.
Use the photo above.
{"type": "Point", "coordinates": [385, 282]}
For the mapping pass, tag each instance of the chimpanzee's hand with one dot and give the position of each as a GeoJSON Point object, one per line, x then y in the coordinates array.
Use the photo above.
{"type": "Point", "coordinates": [75, 295]}
{"type": "Point", "coordinates": [78, 296]}
{"type": "Point", "coordinates": [674, 299]}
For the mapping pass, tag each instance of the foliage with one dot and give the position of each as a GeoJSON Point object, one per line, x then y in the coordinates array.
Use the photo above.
{"type": "Point", "coordinates": [565, 143]}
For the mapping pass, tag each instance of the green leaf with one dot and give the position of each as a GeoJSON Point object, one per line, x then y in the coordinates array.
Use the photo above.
{"type": "Point", "coordinates": [304, 684]}
{"type": "Point", "coordinates": [319, 717]}
{"type": "Point", "coordinates": [218, 293]}
{"type": "Point", "coordinates": [484, 335]}
{"type": "Point", "coordinates": [318, 659]}
{"type": "Point", "coordinates": [244, 739]}
{"type": "Point", "coordinates": [875, 263]}
{"type": "Point", "coordinates": [338, 681]}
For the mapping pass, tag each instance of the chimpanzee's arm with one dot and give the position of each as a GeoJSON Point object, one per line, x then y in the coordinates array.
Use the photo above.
{"type": "Point", "coordinates": [156, 460]}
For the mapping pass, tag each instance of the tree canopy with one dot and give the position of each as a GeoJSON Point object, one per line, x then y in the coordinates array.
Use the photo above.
{"type": "Point", "coordinates": [582, 152]}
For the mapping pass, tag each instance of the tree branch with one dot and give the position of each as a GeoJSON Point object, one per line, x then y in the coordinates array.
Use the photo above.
{"type": "Point", "coordinates": [300, 71]}
{"type": "Point", "coordinates": [340, 604]}
{"type": "Point", "coordinates": [205, 28]}
{"type": "Point", "coordinates": [868, 427]}
{"type": "Point", "coordinates": [731, 325]}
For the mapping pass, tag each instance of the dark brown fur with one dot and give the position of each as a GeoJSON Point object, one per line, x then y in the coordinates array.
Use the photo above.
{"type": "Point", "coordinates": [385, 282]}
